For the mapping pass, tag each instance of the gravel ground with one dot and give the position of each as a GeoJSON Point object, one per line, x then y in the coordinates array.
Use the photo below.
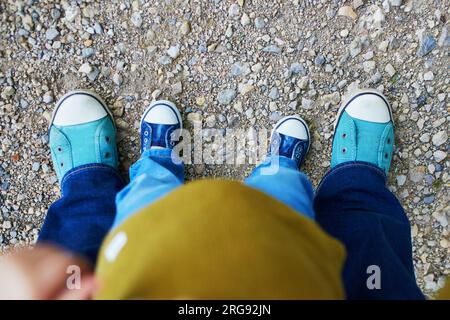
{"type": "Point", "coordinates": [230, 64]}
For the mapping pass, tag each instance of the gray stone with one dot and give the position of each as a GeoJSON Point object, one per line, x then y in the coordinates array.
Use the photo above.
{"type": "Point", "coordinates": [307, 103]}
{"type": "Point", "coordinates": [293, 105]}
{"type": "Point", "coordinates": [239, 69]}
{"type": "Point", "coordinates": [226, 96]}
{"type": "Point", "coordinates": [87, 52]}
{"type": "Point", "coordinates": [395, 3]}
{"type": "Point", "coordinates": [165, 60]}
{"type": "Point", "coordinates": [439, 155]}
{"type": "Point", "coordinates": [376, 77]}
{"type": "Point", "coordinates": [272, 49]}
{"type": "Point", "coordinates": [274, 94]}
{"type": "Point", "coordinates": [428, 44]}
{"type": "Point", "coordinates": [319, 60]}
{"type": "Point", "coordinates": [71, 13]}
{"type": "Point", "coordinates": [425, 137]}
{"type": "Point", "coordinates": [51, 33]}
{"type": "Point", "coordinates": [23, 103]}
{"type": "Point", "coordinates": [47, 98]}
{"type": "Point", "coordinates": [45, 168]}
{"type": "Point", "coordinates": [174, 51]}
{"type": "Point", "coordinates": [440, 138]}
{"type": "Point", "coordinates": [85, 68]}
{"type": "Point", "coordinates": [428, 200]}
{"type": "Point", "coordinates": [233, 11]}
{"type": "Point", "coordinates": [444, 39]}
{"type": "Point", "coordinates": [35, 166]}
{"type": "Point", "coordinates": [416, 174]}
{"type": "Point", "coordinates": [401, 179]}
{"type": "Point", "coordinates": [259, 23]}
{"type": "Point", "coordinates": [117, 79]}
{"type": "Point", "coordinates": [177, 88]}
{"type": "Point", "coordinates": [368, 66]}
{"type": "Point", "coordinates": [297, 68]}
{"type": "Point", "coordinates": [93, 74]}
{"type": "Point", "coordinates": [55, 13]}
{"type": "Point", "coordinates": [98, 28]}
{"type": "Point", "coordinates": [136, 19]}
{"type": "Point", "coordinates": [390, 70]}
{"type": "Point", "coordinates": [428, 76]}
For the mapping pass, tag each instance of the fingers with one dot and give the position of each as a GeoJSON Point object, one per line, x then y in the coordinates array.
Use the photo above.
{"type": "Point", "coordinates": [87, 290]}
{"type": "Point", "coordinates": [45, 272]}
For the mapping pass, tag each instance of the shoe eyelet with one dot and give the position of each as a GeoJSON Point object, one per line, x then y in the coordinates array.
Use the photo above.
{"type": "Point", "coordinates": [145, 133]}
{"type": "Point", "coordinates": [386, 155]}
{"type": "Point", "coordinates": [344, 150]}
{"type": "Point", "coordinates": [389, 140]}
{"type": "Point", "coordinates": [59, 149]}
{"type": "Point", "coordinates": [107, 139]}
{"type": "Point", "coordinates": [344, 135]}
{"type": "Point", "coordinates": [145, 140]}
{"type": "Point", "coordinates": [62, 164]}
{"type": "Point", "coordinates": [107, 155]}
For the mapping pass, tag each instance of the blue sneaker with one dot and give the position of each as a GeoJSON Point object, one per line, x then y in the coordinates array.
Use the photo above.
{"type": "Point", "coordinates": [158, 125]}
{"type": "Point", "coordinates": [291, 139]}
{"type": "Point", "coordinates": [364, 131]}
{"type": "Point", "coordinates": [81, 132]}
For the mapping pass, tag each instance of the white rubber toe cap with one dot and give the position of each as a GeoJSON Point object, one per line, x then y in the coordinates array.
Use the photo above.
{"type": "Point", "coordinates": [162, 112]}
{"type": "Point", "coordinates": [369, 107]}
{"type": "Point", "coordinates": [293, 126]}
{"type": "Point", "coordinates": [78, 108]}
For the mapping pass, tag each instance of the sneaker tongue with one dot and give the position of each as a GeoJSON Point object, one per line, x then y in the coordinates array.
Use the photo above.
{"type": "Point", "coordinates": [369, 139]}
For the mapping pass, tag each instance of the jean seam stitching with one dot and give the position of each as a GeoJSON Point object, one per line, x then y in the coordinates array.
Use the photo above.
{"type": "Point", "coordinates": [358, 164]}
{"type": "Point", "coordinates": [87, 168]}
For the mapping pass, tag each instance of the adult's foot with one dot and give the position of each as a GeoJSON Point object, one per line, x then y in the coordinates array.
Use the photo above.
{"type": "Point", "coordinates": [364, 131]}
{"type": "Point", "coordinates": [81, 132]}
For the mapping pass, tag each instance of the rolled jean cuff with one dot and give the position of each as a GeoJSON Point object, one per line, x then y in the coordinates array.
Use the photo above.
{"type": "Point", "coordinates": [86, 168]}
{"type": "Point", "coordinates": [341, 168]}
{"type": "Point", "coordinates": [166, 153]}
{"type": "Point", "coordinates": [272, 160]}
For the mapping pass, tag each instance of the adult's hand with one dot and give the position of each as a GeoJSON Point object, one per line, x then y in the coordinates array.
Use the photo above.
{"type": "Point", "coordinates": [45, 272]}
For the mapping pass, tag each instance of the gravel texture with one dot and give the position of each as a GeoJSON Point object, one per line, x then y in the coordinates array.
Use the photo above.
{"type": "Point", "coordinates": [230, 64]}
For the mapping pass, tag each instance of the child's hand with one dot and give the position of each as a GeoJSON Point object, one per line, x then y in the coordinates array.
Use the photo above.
{"type": "Point", "coordinates": [45, 272]}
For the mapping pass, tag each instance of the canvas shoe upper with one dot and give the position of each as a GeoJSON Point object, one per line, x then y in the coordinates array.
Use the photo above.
{"type": "Point", "coordinates": [290, 138]}
{"type": "Point", "coordinates": [159, 126]}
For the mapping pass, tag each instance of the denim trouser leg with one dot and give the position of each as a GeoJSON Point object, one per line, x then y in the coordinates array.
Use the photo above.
{"type": "Point", "coordinates": [83, 216]}
{"type": "Point", "coordinates": [287, 185]}
{"type": "Point", "coordinates": [353, 204]}
{"type": "Point", "coordinates": [151, 177]}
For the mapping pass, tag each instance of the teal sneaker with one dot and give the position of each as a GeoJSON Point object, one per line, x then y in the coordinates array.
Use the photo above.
{"type": "Point", "coordinates": [81, 132]}
{"type": "Point", "coordinates": [364, 131]}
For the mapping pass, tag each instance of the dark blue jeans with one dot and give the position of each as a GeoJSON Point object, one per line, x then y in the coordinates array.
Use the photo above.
{"type": "Point", "coordinates": [83, 216]}
{"type": "Point", "coordinates": [352, 204]}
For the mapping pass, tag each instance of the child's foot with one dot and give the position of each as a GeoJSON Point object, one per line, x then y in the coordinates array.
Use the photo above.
{"type": "Point", "coordinates": [364, 131]}
{"type": "Point", "coordinates": [158, 124]}
{"type": "Point", "coordinates": [291, 138]}
{"type": "Point", "coordinates": [81, 132]}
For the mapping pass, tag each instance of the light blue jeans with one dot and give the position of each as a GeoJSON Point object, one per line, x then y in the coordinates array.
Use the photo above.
{"type": "Point", "coordinates": [155, 174]}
